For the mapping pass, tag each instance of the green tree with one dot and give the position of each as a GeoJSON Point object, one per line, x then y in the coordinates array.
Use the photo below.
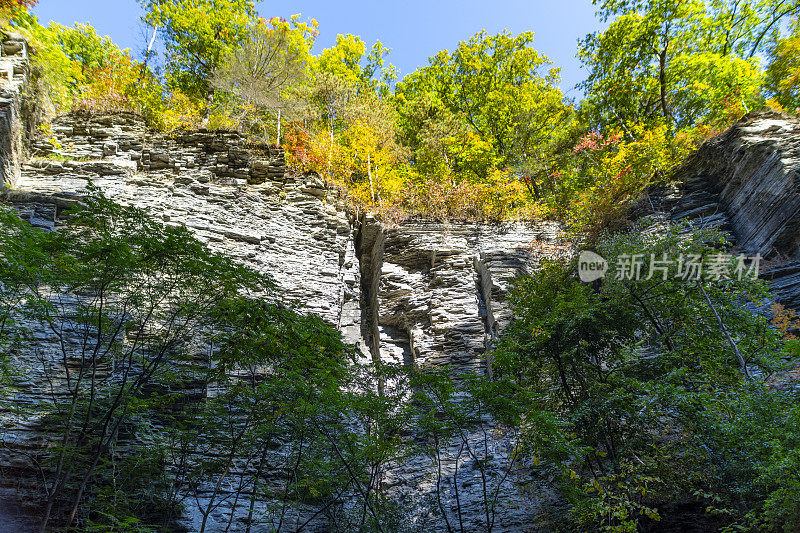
{"type": "Point", "coordinates": [348, 60]}
{"type": "Point", "coordinates": [133, 296]}
{"type": "Point", "coordinates": [629, 376]}
{"type": "Point", "coordinates": [76, 68]}
{"type": "Point", "coordinates": [783, 71]}
{"type": "Point", "coordinates": [83, 45]}
{"type": "Point", "coordinates": [176, 373]}
{"type": "Point", "coordinates": [677, 62]}
{"type": "Point", "coordinates": [198, 35]}
{"type": "Point", "coordinates": [485, 83]}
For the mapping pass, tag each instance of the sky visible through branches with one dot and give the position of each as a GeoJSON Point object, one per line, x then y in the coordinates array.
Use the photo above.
{"type": "Point", "coordinates": [414, 29]}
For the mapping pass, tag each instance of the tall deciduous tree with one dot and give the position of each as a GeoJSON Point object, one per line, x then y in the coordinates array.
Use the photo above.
{"type": "Point", "coordinates": [198, 34]}
{"type": "Point", "coordinates": [348, 59]}
{"type": "Point", "coordinates": [677, 62]}
{"type": "Point", "coordinates": [272, 68]}
{"type": "Point", "coordinates": [484, 82]}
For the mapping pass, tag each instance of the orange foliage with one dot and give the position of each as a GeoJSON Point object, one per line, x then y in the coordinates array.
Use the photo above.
{"type": "Point", "coordinates": [121, 84]}
{"type": "Point", "coordinates": [301, 152]}
{"type": "Point", "coordinates": [15, 4]}
{"type": "Point", "coordinates": [785, 320]}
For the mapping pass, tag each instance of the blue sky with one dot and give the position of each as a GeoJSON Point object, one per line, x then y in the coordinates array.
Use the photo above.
{"type": "Point", "coordinates": [413, 29]}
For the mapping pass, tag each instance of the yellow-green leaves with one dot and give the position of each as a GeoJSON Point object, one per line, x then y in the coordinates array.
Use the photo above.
{"type": "Point", "coordinates": [81, 69]}
{"type": "Point", "coordinates": [685, 63]}
{"type": "Point", "coordinates": [198, 33]}
{"type": "Point", "coordinates": [349, 61]}
{"type": "Point", "coordinates": [783, 72]}
{"type": "Point", "coordinates": [491, 104]}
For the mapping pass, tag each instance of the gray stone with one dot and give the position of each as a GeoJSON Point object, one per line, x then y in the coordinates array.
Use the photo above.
{"type": "Point", "coordinates": [110, 149]}
{"type": "Point", "coordinates": [746, 182]}
{"type": "Point", "coordinates": [419, 293]}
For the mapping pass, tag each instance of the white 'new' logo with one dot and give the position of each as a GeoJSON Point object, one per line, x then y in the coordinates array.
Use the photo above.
{"type": "Point", "coordinates": [591, 266]}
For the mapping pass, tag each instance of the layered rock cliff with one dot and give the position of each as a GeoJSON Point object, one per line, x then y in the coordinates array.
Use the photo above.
{"type": "Point", "coordinates": [417, 293]}
{"type": "Point", "coordinates": [747, 182]}
{"type": "Point", "coordinates": [13, 85]}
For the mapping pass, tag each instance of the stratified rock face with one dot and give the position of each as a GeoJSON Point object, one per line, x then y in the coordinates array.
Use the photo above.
{"type": "Point", "coordinates": [747, 182]}
{"type": "Point", "coordinates": [284, 227]}
{"type": "Point", "coordinates": [441, 295]}
{"type": "Point", "coordinates": [13, 70]}
{"type": "Point", "coordinates": [418, 293]}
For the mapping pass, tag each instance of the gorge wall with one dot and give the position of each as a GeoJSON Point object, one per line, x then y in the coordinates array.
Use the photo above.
{"type": "Point", "coordinates": [13, 87]}
{"type": "Point", "coordinates": [746, 182]}
{"type": "Point", "coordinates": [414, 293]}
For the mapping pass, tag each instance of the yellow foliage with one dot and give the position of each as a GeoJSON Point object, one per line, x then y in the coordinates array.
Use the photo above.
{"type": "Point", "coordinates": [624, 174]}
{"type": "Point", "coordinates": [774, 105]}
{"type": "Point", "coordinates": [500, 197]}
{"type": "Point", "coordinates": [329, 159]}
{"type": "Point", "coordinates": [182, 112]}
{"type": "Point", "coordinates": [222, 119]}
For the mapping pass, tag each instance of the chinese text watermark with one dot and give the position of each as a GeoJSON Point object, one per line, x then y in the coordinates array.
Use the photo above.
{"type": "Point", "coordinates": [685, 267]}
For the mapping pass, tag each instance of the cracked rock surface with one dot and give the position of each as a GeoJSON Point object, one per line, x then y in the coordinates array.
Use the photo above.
{"type": "Point", "coordinates": [746, 182]}
{"type": "Point", "coordinates": [418, 293]}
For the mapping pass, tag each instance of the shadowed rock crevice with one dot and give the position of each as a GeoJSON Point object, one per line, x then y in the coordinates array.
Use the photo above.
{"type": "Point", "coordinates": [18, 115]}
{"type": "Point", "coordinates": [484, 288]}
{"type": "Point", "coordinates": [370, 239]}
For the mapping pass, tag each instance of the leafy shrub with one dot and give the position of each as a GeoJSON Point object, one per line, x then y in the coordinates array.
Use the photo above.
{"type": "Point", "coordinates": [639, 402]}
{"type": "Point", "coordinates": [783, 72]}
{"type": "Point", "coordinates": [11, 8]}
{"type": "Point", "coordinates": [80, 70]}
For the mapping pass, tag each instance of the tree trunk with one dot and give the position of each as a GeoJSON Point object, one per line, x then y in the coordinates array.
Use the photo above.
{"type": "Point", "coordinates": [278, 136]}
{"type": "Point", "coordinates": [662, 72]}
{"type": "Point", "coordinates": [662, 82]}
{"type": "Point", "coordinates": [378, 187]}
{"type": "Point", "coordinates": [369, 175]}
{"type": "Point", "coordinates": [725, 331]}
{"type": "Point", "coordinates": [148, 52]}
{"type": "Point", "coordinates": [330, 148]}
{"type": "Point", "coordinates": [207, 112]}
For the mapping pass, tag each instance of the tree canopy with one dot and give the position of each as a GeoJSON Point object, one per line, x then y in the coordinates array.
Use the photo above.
{"type": "Point", "coordinates": [481, 131]}
{"type": "Point", "coordinates": [646, 404]}
{"type": "Point", "coordinates": [198, 34]}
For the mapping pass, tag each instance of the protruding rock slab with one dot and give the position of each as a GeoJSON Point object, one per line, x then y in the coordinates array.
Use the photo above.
{"type": "Point", "coordinates": [746, 182]}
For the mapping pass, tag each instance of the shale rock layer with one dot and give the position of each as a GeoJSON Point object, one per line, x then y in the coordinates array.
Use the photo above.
{"type": "Point", "coordinates": [747, 182]}
{"type": "Point", "coordinates": [418, 293]}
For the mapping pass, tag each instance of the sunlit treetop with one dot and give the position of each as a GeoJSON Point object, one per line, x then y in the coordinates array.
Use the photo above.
{"type": "Point", "coordinates": [198, 33]}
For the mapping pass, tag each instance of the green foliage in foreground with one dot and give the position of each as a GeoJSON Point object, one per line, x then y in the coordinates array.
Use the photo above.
{"type": "Point", "coordinates": [176, 364]}
{"type": "Point", "coordinates": [173, 372]}
{"type": "Point", "coordinates": [638, 404]}
{"type": "Point", "coordinates": [182, 374]}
